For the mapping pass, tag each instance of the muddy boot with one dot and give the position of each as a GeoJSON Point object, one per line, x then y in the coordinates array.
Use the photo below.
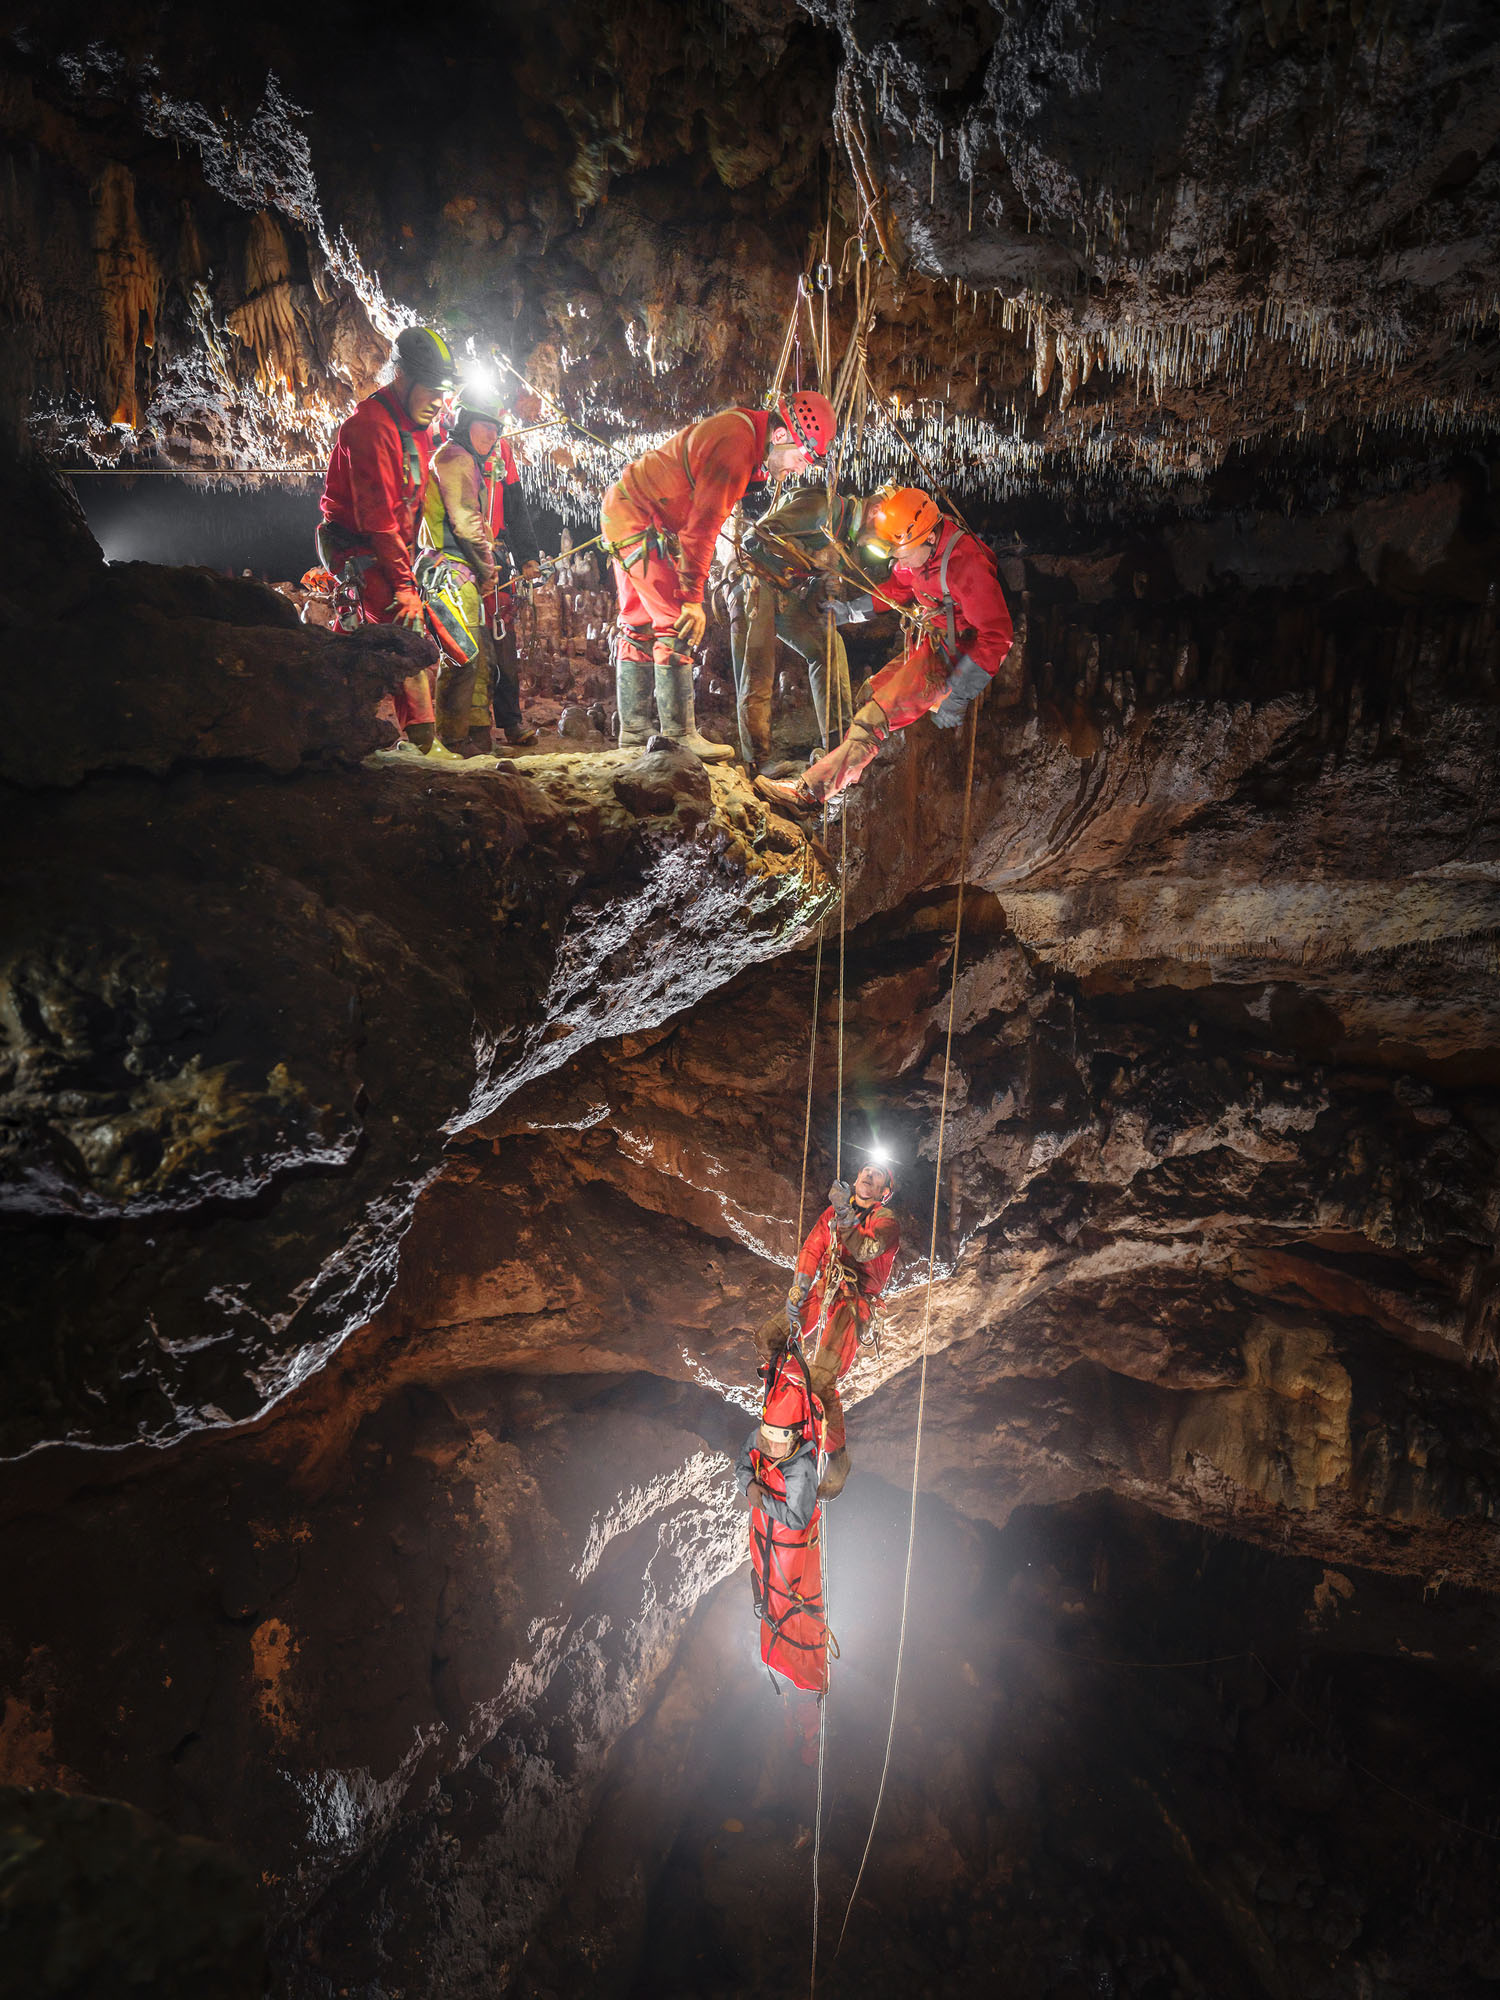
{"type": "Point", "coordinates": [634, 687]}
{"type": "Point", "coordinates": [521, 735]}
{"type": "Point", "coordinates": [674, 704]}
{"type": "Point", "coordinates": [835, 1472]}
{"type": "Point", "coordinates": [770, 1336]}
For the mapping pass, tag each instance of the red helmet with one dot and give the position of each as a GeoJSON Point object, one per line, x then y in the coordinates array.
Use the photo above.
{"type": "Point", "coordinates": [786, 1401]}
{"type": "Point", "coordinates": [809, 417]}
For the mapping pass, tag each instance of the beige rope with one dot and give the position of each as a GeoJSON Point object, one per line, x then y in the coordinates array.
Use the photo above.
{"type": "Point", "coordinates": [916, 1462]}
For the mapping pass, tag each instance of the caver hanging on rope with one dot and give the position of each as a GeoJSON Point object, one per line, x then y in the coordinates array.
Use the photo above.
{"type": "Point", "coordinates": [944, 577]}
{"type": "Point", "coordinates": [778, 1474]}
{"type": "Point", "coordinates": [842, 1269]}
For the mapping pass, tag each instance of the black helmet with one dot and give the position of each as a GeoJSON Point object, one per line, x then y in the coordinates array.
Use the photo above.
{"type": "Point", "coordinates": [426, 357]}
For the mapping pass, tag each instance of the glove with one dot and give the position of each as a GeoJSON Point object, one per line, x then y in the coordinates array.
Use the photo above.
{"type": "Point", "coordinates": [411, 612]}
{"type": "Point", "coordinates": [966, 680]}
{"type": "Point", "coordinates": [842, 1197]}
{"type": "Point", "coordinates": [692, 623]}
{"type": "Point", "coordinates": [847, 609]}
{"type": "Point", "coordinates": [796, 1298]}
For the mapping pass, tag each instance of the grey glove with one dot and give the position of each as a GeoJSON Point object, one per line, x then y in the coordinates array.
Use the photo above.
{"type": "Point", "coordinates": [796, 1298]}
{"type": "Point", "coordinates": [842, 1197]}
{"type": "Point", "coordinates": [847, 609]}
{"type": "Point", "coordinates": [966, 680]}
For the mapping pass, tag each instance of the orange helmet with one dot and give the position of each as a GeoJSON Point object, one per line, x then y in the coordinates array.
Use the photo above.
{"type": "Point", "coordinates": [903, 516]}
{"type": "Point", "coordinates": [810, 419]}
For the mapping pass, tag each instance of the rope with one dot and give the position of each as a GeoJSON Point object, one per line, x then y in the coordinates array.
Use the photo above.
{"type": "Point", "coordinates": [916, 1462]}
{"type": "Point", "coordinates": [835, 717]}
{"type": "Point", "coordinates": [551, 402]}
{"type": "Point", "coordinates": [812, 1051]}
{"type": "Point", "coordinates": [817, 1852]}
{"type": "Point", "coordinates": [838, 1151]}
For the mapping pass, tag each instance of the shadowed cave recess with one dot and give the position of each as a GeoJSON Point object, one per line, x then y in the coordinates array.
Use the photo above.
{"type": "Point", "coordinates": [396, 1160]}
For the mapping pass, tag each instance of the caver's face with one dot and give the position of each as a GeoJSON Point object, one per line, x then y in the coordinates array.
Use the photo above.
{"type": "Point", "coordinates": [787, 454]}
{"type": "Point", "coordinates": [871, 1186]}
{"type": "Point", "coordinates": [423, 402]}
{"type": "Point", "coordinates": [777, 1447]}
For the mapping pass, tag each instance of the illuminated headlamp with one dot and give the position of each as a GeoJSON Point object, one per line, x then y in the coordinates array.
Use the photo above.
{"type": "Point", "coordinates": [875, 547]}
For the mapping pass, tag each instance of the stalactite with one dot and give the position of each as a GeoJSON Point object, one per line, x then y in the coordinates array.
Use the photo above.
{"type": "Point", "coordinates": [130, 284]}
{"type": "Point", "coordinates": [268, 321]}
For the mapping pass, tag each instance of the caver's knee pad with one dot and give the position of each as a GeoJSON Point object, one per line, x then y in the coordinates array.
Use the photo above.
{"type": "Point", "coordinates": [634, 648]}
{"type": "Point", "coordinates": [869, 726]}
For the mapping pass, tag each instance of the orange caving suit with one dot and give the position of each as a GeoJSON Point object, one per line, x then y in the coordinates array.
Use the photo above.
{"type": "Point", "coordinates": [684, 490]}
{"type": "Point", "coordinates": [965, 616]}
{"type": "Point", "coordinates": [850, 1270]}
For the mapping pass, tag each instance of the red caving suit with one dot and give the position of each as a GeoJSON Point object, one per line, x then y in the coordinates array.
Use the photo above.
{"type": "Point", "coordinates": [965, 613]}
{"type": "Point", "coordinates": [850, 1271]}
{"type": "Point", "coordinates": [372, 506]}
{"type": "Point", "coordinates": [685, 491]}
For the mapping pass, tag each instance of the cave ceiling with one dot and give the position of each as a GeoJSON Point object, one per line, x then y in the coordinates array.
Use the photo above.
{"type": "Point", "coordinates": [395, 1163]}
{"type": "Point", "coordinates": [1109, 255]}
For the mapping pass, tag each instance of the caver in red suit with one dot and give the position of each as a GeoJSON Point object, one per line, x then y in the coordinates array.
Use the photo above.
{"type": "Point", "coordinates": [372, 504]}
{"type": "Point", "coordinates": [965, 633]}
{"type": "Point", "coordinates": [778, 1474]}
{"type": "Point", "coordinates": [842, 1269]}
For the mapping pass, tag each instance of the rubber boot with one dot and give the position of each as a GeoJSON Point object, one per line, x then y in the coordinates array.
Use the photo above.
{"type": "Point", "coordinates": [674, 705]}
{"type": "Point", "coordinates": [633, 692]}
{"type": "Point", "coordinates": [835, 1472]}
{"type": "Point", "coordinates": [771, 1335]}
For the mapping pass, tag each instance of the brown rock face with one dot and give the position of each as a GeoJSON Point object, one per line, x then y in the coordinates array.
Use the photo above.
{"type": "Point", "coordinates": [275, 982]}
{"type": "Point", "coordinates": [451, 1644]}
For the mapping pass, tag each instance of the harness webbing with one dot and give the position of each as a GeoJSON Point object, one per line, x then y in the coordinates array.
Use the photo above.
{"type": "Point", "coordinates": [916, 1462]}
